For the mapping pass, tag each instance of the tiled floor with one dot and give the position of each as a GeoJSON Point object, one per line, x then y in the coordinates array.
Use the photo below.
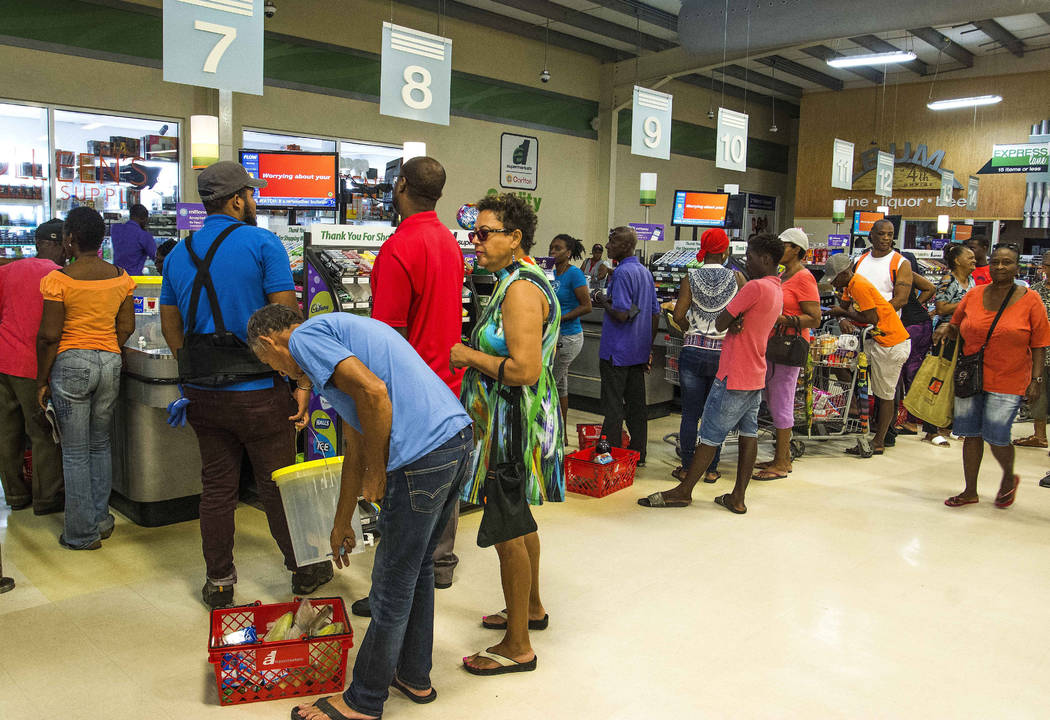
{"type": "Point", "coordinates": [848, 590]}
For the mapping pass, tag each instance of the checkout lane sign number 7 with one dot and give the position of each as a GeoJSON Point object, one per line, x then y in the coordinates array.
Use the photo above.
{"type": "Point", "coordinates": [192, 57]}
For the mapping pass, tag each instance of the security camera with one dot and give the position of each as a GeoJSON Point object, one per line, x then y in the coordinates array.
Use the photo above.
{"type": "Point", "coordinates": [269, 8]}
{"type": "Point", "coordinates": [545, 76]}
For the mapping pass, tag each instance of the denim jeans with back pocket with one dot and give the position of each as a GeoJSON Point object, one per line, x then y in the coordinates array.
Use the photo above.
{"type": "Point", "coordinates": [84, 389]}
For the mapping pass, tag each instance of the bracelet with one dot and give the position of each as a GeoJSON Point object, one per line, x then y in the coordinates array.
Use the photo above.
{"type": "Point", "coordinates": [308, 387]}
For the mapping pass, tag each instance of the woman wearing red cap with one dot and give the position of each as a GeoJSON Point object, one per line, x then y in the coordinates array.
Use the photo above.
{"type": "Point", "coordinates": [703, 295]}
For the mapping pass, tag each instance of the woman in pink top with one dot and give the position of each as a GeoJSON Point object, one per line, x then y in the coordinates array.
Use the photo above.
{"type": "Point", "coordinates": [801, 312]}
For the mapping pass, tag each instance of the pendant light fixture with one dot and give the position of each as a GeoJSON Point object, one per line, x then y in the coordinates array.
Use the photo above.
{"type": "Point", "coordinates": [885, 58]}
{"type": "Point", "coordinates": [966, 102]}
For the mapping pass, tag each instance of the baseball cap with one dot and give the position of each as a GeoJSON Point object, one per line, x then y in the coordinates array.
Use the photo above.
{"type": "Point", "coordinates": [835, 265]}
{"type": "Point", "coordinates": [50, 230]}
{"type": "Point", "coordinates": [225, 178]}
{"type": "Point", "coordinates": [796, 236]}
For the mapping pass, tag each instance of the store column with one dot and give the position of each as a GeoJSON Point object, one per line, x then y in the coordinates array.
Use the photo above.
{"type": "Point", "coordinates": [608, 130]}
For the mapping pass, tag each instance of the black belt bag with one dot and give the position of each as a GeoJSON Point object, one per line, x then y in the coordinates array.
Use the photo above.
{"type": "Point", "coordinates": [217, 358]}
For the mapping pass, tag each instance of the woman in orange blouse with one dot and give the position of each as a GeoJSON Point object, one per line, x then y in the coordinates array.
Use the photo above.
{"type": "Point", "coordinates": [88, 316]}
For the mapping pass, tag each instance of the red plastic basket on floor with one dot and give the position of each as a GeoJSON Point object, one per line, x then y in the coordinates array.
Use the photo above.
{"type": "Point", "coordinates": [273, 670]}
{"type": "Point", "coordinates": [589, 434]}
{"type": "Point", "coordinates": [584, 476]}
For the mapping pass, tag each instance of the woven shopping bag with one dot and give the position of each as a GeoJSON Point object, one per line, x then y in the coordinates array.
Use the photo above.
{"type": "Point", "coordinates": [932, 393]}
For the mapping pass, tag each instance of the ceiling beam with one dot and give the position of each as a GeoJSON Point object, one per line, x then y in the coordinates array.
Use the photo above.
{"type": "Point", "coordinates": [755, 78]}
{"type": "Point", "coordinates": [944, 43]}
{"type": "Point", "coordinates": [567, 16]}
{"type": "Point", "coordinates": [1045, 16]}
{"type": "Point", "coordinates": [801, 71]}
{"type": "Point", "coordinates": [878, 45]}
{"type": "Point", "coordinates": [738, 92]}
{"type": "Point", "coordinates": [823, 52]}
{"type": "Point", "coordinates": [1001, 35]}
{"type": "Point", "coordinates": [640, 11]}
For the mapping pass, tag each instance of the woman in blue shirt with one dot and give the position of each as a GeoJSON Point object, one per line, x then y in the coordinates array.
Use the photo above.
{"type": "Point", "coordinates": [570, 284]}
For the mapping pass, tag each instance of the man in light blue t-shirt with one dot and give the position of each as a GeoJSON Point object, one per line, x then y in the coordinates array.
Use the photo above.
{"type": "Point", "coordinates": [408, 446]}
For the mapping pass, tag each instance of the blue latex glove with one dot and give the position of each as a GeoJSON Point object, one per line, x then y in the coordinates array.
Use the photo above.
{"type": "Point", "coordinates": [177, 410]}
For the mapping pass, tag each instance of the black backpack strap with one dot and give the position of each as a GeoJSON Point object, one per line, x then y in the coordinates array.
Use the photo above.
{"type": "Point", "coordinates": [203, 280]}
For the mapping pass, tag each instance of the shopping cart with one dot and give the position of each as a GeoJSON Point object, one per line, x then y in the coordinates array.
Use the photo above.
{"type": "Point", "coordinates": [672, 352]}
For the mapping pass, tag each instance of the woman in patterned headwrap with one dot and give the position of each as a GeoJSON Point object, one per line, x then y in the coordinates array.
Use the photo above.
{"type": "Point", "coordinates": [704, 294]}
{"type": "Point", "coordinates": [515, 339]}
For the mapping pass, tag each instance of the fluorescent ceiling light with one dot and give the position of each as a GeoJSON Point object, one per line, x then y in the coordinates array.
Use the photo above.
{"type": "Point", "coordinates": [848, 61]}
{"type": "Point", "coordinates": [964, 102]}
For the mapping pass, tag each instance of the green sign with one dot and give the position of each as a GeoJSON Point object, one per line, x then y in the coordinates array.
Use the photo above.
{"type": "Point", "coordinates": [1017, 158]}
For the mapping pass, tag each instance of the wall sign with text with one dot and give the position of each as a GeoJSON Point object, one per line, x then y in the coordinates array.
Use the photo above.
{"type": "Point", "coordinates": [416, 76]}
{"type": "Point", "coordinates": [971, 193]}
{"type": "Point", "coordinates": [884, 174]}
{"type": "Point", "coordinates": [945, 198]}
{"type": "Point", "coordinates": [214, 43]}
{"type": "Point", "coordinates": [842, 165]}
{"type": "Point", "coordinates": [651, 123]}
{"type": "Point", "coordinates": [731, 140]}
{"type": "Point", "coordinates": [519, 161]}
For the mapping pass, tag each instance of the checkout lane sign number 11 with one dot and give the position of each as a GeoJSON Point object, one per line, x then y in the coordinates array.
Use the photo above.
{"type": "Point", "coordinates": [214, 43]}
{"type": "Point", "coordinates": [416, 76]}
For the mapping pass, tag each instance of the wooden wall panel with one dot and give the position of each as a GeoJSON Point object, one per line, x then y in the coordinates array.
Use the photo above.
{"type": "Point", "coordinates": [898, 114]}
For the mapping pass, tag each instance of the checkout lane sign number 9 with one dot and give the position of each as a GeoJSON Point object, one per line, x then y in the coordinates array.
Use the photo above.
{"type": "Point", "coordinates": [651, 123]}
{"type": "Point", "coordinates": [214, 43]}
{"type": "Point", "coordinates": [416, 75]}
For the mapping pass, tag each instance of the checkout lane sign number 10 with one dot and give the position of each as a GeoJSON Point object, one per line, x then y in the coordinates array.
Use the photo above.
{"type": "Point", "coordinates": [731, 148]}
{"type": "Point", "coordinates": [214, 43]}
{"type": "Point", "coordinates": [416, 76]}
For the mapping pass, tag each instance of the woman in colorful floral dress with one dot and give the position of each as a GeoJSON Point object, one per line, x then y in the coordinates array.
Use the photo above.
{"type": "Point", "coordinates": [517, 332]}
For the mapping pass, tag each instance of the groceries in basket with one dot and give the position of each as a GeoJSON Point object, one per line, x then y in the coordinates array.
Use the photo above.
{"type": "Point", "coordinates": [603, 451]}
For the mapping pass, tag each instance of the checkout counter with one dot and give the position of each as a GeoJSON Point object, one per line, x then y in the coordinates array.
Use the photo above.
{"type": "Point", "coordinates": [156, 468]}
{"type": "Point", "coordinates": [585, 384]}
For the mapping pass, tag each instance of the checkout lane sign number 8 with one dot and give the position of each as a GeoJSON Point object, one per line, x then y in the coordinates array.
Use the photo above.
{"type": "Point", "coordinates": [416, 75]}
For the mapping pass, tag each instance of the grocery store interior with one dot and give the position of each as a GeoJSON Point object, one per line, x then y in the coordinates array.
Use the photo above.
{"type": "Point", "coordinates": [848, 589]}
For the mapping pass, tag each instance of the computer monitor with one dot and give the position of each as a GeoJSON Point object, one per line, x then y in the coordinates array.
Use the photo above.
{"type": "Point", "coordinates": [863, 220]}
{"type": "Point", "coordinates": [303, 180]}
{"type": "Point", "coordinates": [696, 208]}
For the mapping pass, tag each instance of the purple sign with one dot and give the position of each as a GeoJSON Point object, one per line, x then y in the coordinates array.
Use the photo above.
{"type": "Point", "coordinates": [838, 241]}
{"type": "Point", "coordinates": [938, 243]}
{"type": "Point", "coordinates": [648, 233]}
{"type": "Point", "coordinates": [189, 216]}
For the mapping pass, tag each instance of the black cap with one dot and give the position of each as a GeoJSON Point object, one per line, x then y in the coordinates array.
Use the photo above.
{"type": "Point", "coordinates": [50, 230]}
{"type": "Point", "coordinates": [225, 178]}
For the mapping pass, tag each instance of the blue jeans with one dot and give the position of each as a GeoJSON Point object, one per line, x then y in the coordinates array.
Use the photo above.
{"type": "Point", "coordinates": [988, 415]}
{"type": "Point", "coordinates": [417, 505]}
{"type": "Point", "coordinates": [728, 410]}
{"type": "Point", "coordinates": [697, 368]}
{"type": "Point", "coordinates": [84, 389]}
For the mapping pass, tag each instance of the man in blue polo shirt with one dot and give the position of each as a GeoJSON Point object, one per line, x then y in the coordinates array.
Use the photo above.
{"type": "Point", "coordinates": [408, 445]}
{"type": "Point", "coordinates": [632, 316]}
{"type": "Point", "coordinates": [132, 243]}
{"type": "Point", "coordinates": [214, 281]}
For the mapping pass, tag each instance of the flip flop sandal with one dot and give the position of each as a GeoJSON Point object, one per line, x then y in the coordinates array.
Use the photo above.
{"type": "Point", "coordinates": [943, 442]}
{"type": "Point", "coordinates": [958, 501]}
{"type": "Point", "coordinates": [708, 479]}
{"type": "Point", "coordinates": [324, 706]}
{"type": "Point", "coordinates": [724, 501]}
{"type": "Point", "coordinates": [905, 431]}
{"type": "Point", "coordinates": [678, 473]}
{"type": "Point", "coordinates": [540, 624]}
{"type": "Point", "coordinates": [418, 699]}
{"type": "Point", "coordinates": [768, 475]}
{"type": "Point", "coordinates": [1006, 499]}
{"type": "Point", "coordinates": [506, 665]}
{"type": "Point", "coordinates": [656, 500]}
{"type": "Point", "coordinates": [1031, 441]}
{"type": "Point", "coordinates": [858, 451]}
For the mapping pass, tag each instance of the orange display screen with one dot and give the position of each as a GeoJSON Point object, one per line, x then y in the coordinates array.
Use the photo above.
{"type": "Point", "coordinates": [862, 221]}
{"type": "Point", "coordinates": [962, 232]}
{"type": "Point", "coordinates": [294, 180]}
{"type": "Point", "coordinates": [702, 209]}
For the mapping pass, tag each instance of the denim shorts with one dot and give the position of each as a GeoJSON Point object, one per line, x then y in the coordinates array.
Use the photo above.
{"type": "Point", "coordinates": [988, 415]}
{"type": "Point", "coordinates": [727, 410]}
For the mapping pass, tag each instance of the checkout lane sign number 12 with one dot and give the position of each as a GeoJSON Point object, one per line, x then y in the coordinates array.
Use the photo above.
{"type": "Point", "coordinates": [214, 43]}
{"type": "Point", "coordinates": [416, 75]}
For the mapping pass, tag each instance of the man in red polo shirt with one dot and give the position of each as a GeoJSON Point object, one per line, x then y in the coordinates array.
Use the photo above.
{"type": "Point", "coordinates": [417, 288]}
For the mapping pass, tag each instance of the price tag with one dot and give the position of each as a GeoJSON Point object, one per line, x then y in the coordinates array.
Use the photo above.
{"type": "Point", "coordinates": [416, 76]}
{"type": "Point", "coordinates": [971, 193]}
{"type": "Point", "coordinates": [651, 124]}
{"type": "Point", "coordinates": [731, 141]}
{"type": "Point", "coordinates": [842, 165]}
{"type": "Point", "coordinates": [947, 189]}
{"type": "Point", "coordinates": [884, 175]}
{"type": "Point", "coordinates": [214, 43]}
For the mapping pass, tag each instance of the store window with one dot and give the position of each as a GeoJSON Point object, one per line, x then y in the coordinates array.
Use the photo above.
{"type": "Point", "coordinates": [110, 163]}
{"type": "Point", "coordinates": [24, 177]}
{"type": "Point", "coordinates": [365, 166]}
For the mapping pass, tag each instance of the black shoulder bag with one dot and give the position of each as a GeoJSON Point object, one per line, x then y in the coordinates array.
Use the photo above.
{"type": "Point", "coordinates": [784, 349]}
{"type": "Point", "coordinates": [220, 357]}
{"type": "Point", "coordinates": [507, 514]}
{"type": "Point", "coordinates": [969, 369]}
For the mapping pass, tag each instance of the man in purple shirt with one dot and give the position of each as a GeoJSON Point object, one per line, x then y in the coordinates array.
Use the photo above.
{"type": "Point", "coordinates": [632, 316]}
{"type": "Point", "coordinates": [131, 243]}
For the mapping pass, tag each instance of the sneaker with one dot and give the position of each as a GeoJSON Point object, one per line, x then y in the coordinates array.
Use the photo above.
{"type": "Point", "coordinates": [308, 579]}
{"type": "Point", "coordinates": [217, 596]}
{"type": "Point", "coordinates": [90, 546]}
{"type": "Point", "coordinates": [1045, 482]}
{"type": "Point", "coordinates": [361, 608]}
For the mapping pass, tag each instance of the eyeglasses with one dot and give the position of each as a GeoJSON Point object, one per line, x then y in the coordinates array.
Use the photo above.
{"type": "Point", "coordinates": [482, 234]}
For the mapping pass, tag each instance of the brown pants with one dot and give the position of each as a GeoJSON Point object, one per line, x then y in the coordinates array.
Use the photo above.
{"type": "Point", "coordinates": [20, 416]}
{"type": "Point", "coordinates": [228, 424]}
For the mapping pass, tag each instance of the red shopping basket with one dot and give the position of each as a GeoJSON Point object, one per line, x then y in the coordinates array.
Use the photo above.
{"type": "Point", "coordinates": [589, 434]}
{"type": "Point", "coordinates": [273, 670]}
{"type": "Point", "coordinates": [584, 476]}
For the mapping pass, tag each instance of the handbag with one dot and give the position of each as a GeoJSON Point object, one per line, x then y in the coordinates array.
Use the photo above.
{"type": "Point", "coordinates": [506, 511]}
{"type": "Point", "coordinates": [784, 349]}
{"type": "Point", "coordinates": [969, 370]}
{"type": "Point", "coordinates": [931, 396]}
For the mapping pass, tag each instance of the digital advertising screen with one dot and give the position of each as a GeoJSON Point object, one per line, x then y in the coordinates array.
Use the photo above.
{"type": "Point", "coordinates": [862, 221]}
{"type": "Point", "coordinates": [294, 179]}
{"type": "Point", "coordinates": [700, 209]}
{"type": "Point", "coordinates": [961, 232]}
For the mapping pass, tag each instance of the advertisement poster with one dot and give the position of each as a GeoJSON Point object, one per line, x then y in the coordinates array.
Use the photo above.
{"type": "Point", "coordinates": [293, 179]}
{"type": "Point", "coordinates": [189, 216]}
{"type": "Point", "coordinates": [760, 216]}
{"type": "Point", "coordinates": [838, 241]}
{"type": "Point", "coordinates": [648, 233]}
{"type": "Point", "coordinates": [699, 209]}
{"type": "Point", "coordinates": [519, 161]}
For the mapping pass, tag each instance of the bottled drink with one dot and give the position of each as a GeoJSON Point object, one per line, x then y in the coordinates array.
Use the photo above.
{"type": "Point", "coordinates": [602, 451]}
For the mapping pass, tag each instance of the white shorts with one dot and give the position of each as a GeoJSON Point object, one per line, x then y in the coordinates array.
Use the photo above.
{"type": "Point", "coordinates": [884, 367]}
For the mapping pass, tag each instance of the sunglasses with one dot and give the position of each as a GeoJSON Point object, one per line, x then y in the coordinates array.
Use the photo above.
{"type": "Point", "coordinates": [482, 234]}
